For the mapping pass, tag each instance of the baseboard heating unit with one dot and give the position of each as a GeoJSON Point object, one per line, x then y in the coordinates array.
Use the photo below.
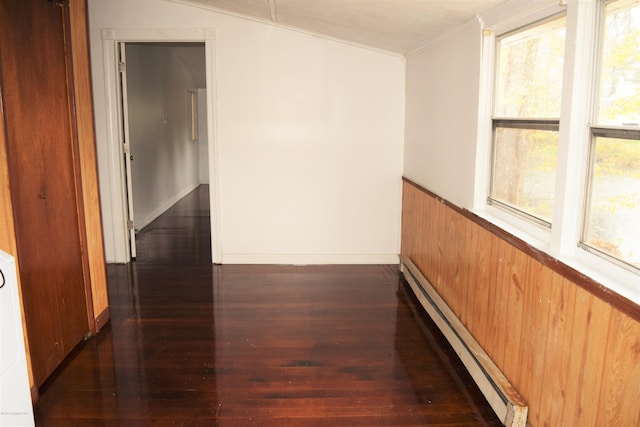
{"type": "Point", "coordinates": [503, 398]}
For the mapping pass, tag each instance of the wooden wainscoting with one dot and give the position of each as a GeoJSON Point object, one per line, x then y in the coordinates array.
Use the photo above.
{"type": "Point", "coordinates": [570, 347]}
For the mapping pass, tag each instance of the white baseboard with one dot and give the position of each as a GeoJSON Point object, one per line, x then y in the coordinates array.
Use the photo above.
{"type": "Point", "coordinates": [139, 224]}
{"type": "Point", "coordinates": [309, 259]}
{"type": "Point", "coordinates": [503, 398]}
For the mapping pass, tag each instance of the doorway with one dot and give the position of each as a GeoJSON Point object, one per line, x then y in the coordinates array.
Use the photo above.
{"type": "Point", "coordinates": [163, 93]}
{"type": "Point", "coordinates": [116, 206]}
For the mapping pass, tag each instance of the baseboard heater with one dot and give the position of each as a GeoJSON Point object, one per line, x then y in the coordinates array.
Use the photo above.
{"type": "Point", "coordinates": [503, 398]}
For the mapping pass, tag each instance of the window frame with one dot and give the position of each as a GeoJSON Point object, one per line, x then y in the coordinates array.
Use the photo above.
{"type": "Point", "coordinates": [584, 27]}
{"type": "Point", "coordinates": [525, 123]}
{"type": "Point", "coordinates": [597, 130]}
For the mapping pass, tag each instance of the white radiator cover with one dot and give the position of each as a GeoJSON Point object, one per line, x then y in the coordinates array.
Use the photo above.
{"type": "Point", "coordinates": [503, 398]}
{"type": "Point", "coordinates": [15, 397]}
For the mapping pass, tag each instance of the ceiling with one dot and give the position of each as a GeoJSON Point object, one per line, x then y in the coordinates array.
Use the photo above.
{"type": "Point", "coordinates": [398, 26]}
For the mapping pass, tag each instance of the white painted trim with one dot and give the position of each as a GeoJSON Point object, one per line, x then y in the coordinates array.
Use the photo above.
{"type": "Point", "coordinates": [158, 34]}
{"type": "Point", "coordinates": [286, 27]}
{"type": "Point", "coordinates": [618, 279]}
{"type": "Point", "coordinates": [110, 39]}
{"type": "Point", "coordinates": [503, 398]}
{"type": "Point", "coordinates": [142, 223]}
{"type": "Point", "coordinates": [514, 14]}
{"type": "Point", "coordinates": [309, 259]}
{"type": "Point", "coordinates": [577, 97]}
{"type": "Point", "coordinates": [273, 10]}
{"type": "Point", "coordinates": [214, 150]}
{"type": "Point", "coordinates": [485, 108]}
{"type": "Point", "coordinates": [446, 35]}
{"type": "Point", "coordinates": [119, 231]}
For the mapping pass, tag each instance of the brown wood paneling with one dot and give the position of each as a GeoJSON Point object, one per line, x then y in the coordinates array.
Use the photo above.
{"type": "Point", "coordinates": [514, 316]}
{"type": "Point", "coordinates": [620, 392]}
{"type": "Point", "coordinates": [39, 137]}
{"type": "Point", "coordinates": [593, 368]}
{"type": "Point", "coordinates": [569, 346]}
{"type": "Point", "coordinates": [557, 357]}
{"type": "Point", "coordinates": [480, 304]}
{"type": "Point", "coordinates": [471, 243]}
{"type": "Point", "coordinates": [7, 231]}
{"type": "Point", "coordinates": [88, 163]}
{"type": "Point", "coordinates": [590, 285]}
{"type": "Point", "coordinates": [577, 354]}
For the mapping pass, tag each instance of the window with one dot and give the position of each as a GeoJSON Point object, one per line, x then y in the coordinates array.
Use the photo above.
{"type": "Point", "coordinates": [526, 119]}
{"type": "Point", "coordinates": [560, 129]}
{"type": "Point", "coordinates": [612, 217]}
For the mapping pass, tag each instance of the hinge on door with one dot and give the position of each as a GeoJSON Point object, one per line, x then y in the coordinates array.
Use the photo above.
{"type": "Point", "coordinates": [122, 67]}
{"type": "Point", "coordinates": [126, 149]}
{"type": "Point", "coordinates": [129, 225]}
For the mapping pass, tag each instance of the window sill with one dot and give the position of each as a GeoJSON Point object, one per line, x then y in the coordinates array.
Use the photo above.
{"type": "Point", "coordinates": [599, 276]}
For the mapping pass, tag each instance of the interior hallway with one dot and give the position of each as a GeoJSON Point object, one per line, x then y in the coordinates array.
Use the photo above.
{"type": "Point", "coordinates": [194, 344]}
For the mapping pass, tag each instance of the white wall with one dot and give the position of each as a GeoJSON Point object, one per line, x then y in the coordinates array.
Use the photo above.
{"type": "Point", "coordinates": [309, 136]}
{"type": "Point", "coordinates": [165, 164]}
{"type": "Point", "coordinates": [442, 115]}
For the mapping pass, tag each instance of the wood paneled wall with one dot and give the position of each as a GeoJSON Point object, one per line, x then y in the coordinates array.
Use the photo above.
{"type": "Point", "coordinates": [570, 347]}
{"type": "Point", "coordinates": [88, 160]}
{"type": "Point", "coordinates": [8, 242]}
{"type": "Point", "coordinates": [93, 227]}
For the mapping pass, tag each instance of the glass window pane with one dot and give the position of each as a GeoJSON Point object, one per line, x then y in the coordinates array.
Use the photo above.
{"type": "Point", "coordinates": [613, 209]}
{"type": "Point", "coordinates": [619, 95]}
{"type": "Point", "coordinates": [524, 170]}
{"type": "Point", "coordinates": [529, 72]}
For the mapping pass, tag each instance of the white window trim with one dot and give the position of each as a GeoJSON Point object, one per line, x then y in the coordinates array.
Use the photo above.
{"type": "Point", "coordinates": [561, 242]}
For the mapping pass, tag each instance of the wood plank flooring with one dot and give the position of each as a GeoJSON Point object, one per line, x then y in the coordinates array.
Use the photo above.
{"type": "Point", "coordinates": [195, 344]}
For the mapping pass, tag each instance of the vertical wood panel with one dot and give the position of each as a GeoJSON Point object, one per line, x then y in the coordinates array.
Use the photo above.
{"type": "Point", "coordinates": [587, 409]}
{"type": "Point", "coordinates": [620, 392]}
{"type": "Point", "coordinates": [434, 238]}
{"type": "Point", "coordinates": [7, 230]}
{"type": "Point", "coordinates": [8, 234]}
{"type": "Point", "coordinates": [467, 279]}
{"type": "Point", "coordinates": [488, 322]}
{"type": "Point", "coordinates": [40, 149]}
{"type": "Point", "coordinates": [537, 307]}
{"type": "Point", "coordinates": [577, 354]}
{"type": "Point", "coordinates": [446, 257]}
{"type": "Point", "coordinates": [515, 317]}
{"type": "Point", "coordinates": [483, 288]}
{"type": "Point", "coordinates": [88, 163]}
{"type": "Point", "coordinates": [569, 353]}
{"type": "Point", "coordinates": [83, 107]}
{"type": "Point", "coordinates": [557, 355]}
{"type": "Point", "coordinates": [496, 313]}
{"type": "Point", "coordinates": [472, 273]}
{"type": "Point", "coordinates": [459, 268]}
{"type": "Point", "coordinates": [527, 350]}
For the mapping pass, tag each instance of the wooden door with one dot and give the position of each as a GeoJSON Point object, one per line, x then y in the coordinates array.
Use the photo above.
{"type": "Point", "coordinates": [41, 147]}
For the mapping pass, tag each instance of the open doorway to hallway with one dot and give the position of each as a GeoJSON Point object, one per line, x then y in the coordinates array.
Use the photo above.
{"type": "Point", "coordinates": [163, 88]}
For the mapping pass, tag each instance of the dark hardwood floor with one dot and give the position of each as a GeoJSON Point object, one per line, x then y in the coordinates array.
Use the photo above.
{"type": "Point", "coordinates": [195, 344]}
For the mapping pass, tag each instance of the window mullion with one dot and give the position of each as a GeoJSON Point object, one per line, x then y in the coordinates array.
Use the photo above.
{"type": "Point", "coordinates": [577, 96]}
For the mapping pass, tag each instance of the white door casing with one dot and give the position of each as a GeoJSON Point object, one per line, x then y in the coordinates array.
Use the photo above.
{"type": "Point", "coordinates": [111, 39]}
{"type": "Point", "coordinates": [126, 146]}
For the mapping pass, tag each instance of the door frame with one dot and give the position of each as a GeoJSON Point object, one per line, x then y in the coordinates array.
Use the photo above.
{"type": "Point", "coordinates": [126, 145]}
{"type": "Point", "coordinates": [117, 184]}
